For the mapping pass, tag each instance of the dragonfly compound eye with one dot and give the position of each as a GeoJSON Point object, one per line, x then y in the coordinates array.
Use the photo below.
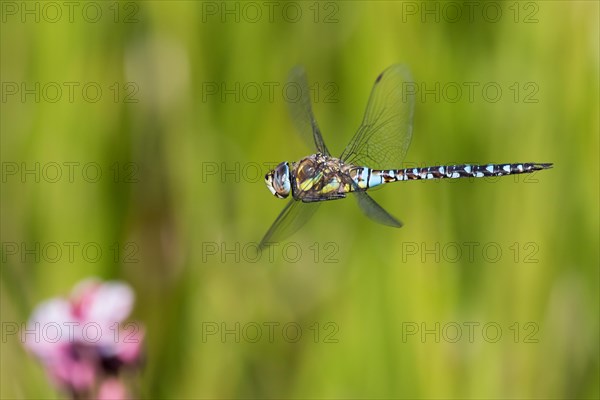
{"type": "Point", "coordinates": [278, 181]}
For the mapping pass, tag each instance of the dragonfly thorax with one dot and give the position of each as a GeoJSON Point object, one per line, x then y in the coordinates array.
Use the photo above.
{"type": "Point", "coordinates": [278, 180]}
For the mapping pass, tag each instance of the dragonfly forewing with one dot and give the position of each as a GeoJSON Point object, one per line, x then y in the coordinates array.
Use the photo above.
{"type": "Point", "coordinates": [301, 110]}
{"type": "Point", "coordinates": [384, 136]}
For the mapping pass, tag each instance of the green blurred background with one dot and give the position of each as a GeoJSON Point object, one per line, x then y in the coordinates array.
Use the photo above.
{"type": "Point", "coordinates": [179, 111]}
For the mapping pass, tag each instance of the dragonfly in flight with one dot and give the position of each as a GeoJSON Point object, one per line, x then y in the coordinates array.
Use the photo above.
{"type": "Point", "coordinates": [368, 161]}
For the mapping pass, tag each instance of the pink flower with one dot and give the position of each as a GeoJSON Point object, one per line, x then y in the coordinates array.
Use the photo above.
{"type": "Point", "coordinates": [81, 341]}
{"type": "Point", "coordinates": [112, 389]}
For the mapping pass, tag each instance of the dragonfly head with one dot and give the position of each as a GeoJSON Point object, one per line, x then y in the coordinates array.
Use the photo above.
{"type": "Point", "coordinates": [278, 180]}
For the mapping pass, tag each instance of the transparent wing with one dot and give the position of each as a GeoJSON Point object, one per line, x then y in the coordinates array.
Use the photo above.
{"type": "Point", "coordinates": [374, 211]}
{"type": "Point", "coordinates": [370, 207]}
{"type": "Point", "coordinates": [293, 217]}
{"type": "Point", "coordinates": [383, 138]}
{"type": "Point", "coordinates": [297, 213]}
{"type": "Point", "coordinates": [298, 97]}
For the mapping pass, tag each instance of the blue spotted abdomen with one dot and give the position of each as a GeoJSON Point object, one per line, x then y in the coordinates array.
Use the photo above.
{"type": "Point", "coordinates": [367, 178]}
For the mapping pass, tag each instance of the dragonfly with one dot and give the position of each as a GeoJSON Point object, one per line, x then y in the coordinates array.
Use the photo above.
{"type": "Point", "coordinates": [368, 161]}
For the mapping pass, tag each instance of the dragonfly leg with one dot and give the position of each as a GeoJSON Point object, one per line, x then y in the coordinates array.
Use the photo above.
{"type": "Point", "coordinates": [321, 197]}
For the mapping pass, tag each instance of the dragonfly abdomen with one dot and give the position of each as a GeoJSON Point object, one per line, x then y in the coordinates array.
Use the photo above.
{"type": "Point", "coordinates": [377, 177]}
